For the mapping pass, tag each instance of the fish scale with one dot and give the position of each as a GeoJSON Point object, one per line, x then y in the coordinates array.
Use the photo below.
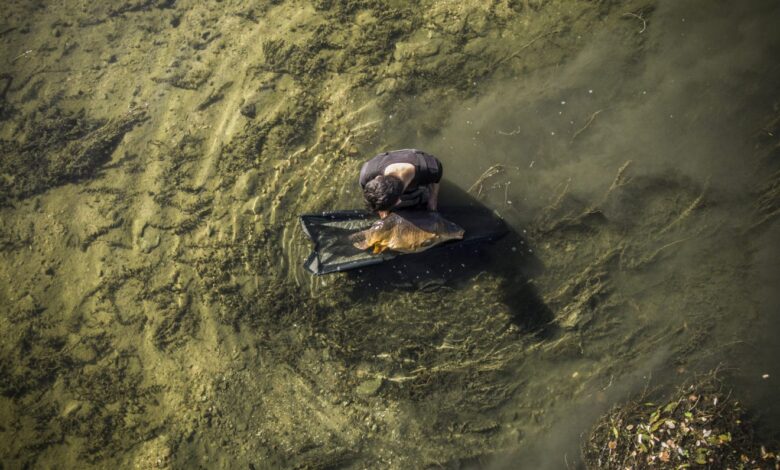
{"type": "Point", "coordinates": [407, 232]}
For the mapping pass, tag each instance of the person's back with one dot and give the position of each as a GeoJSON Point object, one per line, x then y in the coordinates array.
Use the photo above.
{"type": "Point", "coordinates": [407, 178]}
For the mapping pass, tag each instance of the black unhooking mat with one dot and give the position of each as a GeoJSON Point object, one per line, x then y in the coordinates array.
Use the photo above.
{"type": "Point", "coordinates": [333, 251]}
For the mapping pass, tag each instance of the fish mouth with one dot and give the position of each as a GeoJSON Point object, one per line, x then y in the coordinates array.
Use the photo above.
{"type": "Point", "coordinates": [359, 240]}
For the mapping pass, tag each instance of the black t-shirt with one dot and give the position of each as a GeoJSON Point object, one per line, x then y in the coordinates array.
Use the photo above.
{"type": "Point", "coordinates": [427, 168]}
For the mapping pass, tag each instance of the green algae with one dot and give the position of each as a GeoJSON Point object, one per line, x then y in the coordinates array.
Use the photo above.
{"type": "Point", "coordinates": [55, 147]}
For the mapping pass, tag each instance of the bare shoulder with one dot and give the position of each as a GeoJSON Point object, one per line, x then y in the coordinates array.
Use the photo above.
{"type": "Point", "coordinates": [399, 168]}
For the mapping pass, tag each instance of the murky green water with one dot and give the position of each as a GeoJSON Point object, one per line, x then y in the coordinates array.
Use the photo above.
{"type": "Point", "coordinates": [155, 156]}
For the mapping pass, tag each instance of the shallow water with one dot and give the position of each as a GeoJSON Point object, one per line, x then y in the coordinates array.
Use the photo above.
{"type": "Point", "coordinates": [156, 313]}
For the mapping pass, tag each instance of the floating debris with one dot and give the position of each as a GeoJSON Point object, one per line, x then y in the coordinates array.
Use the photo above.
{"type": "Point", "coordinates": [699, 425]}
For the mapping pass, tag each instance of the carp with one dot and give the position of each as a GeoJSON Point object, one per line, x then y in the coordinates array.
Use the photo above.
{"type": "Point", "coordinates": [407, 232]}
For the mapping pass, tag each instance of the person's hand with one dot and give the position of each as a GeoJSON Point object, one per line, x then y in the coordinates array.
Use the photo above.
{"type": "Point", "coordinates": [382, 214]}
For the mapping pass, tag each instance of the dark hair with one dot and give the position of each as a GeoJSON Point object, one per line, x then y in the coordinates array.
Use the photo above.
{"type": "Point", "coordinates": [382, 192]}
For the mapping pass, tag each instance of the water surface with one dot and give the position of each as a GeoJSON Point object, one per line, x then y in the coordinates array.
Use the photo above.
{"type": "Point", "coordinates": [156, 313]}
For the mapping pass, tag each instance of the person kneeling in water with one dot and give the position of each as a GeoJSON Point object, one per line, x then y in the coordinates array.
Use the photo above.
{"type": "Point", "coordinates": [401, 179]}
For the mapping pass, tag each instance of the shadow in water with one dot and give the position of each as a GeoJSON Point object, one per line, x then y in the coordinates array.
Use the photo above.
{"type": "Point", "coordinates": [509, 260]}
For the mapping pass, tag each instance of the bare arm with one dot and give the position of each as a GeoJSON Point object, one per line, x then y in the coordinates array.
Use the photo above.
{"type": "Point", "coordinates": [433, 197]}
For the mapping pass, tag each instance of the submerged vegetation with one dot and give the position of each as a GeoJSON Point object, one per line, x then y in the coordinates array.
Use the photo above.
{"type": "Point", "coordinates": [51, 147]}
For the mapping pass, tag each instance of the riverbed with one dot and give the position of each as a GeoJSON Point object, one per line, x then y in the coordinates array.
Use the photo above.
{"type": "Point", "coordinates": [156, 155]}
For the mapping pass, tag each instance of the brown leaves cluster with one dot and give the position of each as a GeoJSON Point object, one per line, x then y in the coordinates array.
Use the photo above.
{"type": "Point", "coordinates": [700, 425]}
